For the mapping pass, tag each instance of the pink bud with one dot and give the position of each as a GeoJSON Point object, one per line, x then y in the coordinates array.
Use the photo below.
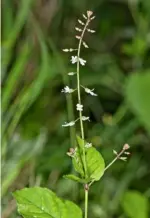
{"type": "Point", "coordinates": [89, 13]}
{"type": "Point", "coordinates": [126, 147]}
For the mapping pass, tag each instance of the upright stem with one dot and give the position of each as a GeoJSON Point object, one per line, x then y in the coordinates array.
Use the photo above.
{"type": "Point", "coordinates": [86, 203]}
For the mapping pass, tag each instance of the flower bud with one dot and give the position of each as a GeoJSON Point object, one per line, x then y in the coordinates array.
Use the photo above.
{"type": "Point", "coordinates": [126, 147]}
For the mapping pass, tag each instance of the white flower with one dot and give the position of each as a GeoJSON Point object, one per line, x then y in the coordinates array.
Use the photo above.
{"type": "Point", "coordinates": [79, 107]}
{"type": "Point", "coordinates": [74, 59]}
{"type": "Point", "coordinates": [67, 90]}
{"type": "Point", "coordinates": [90, 91]}
{"type": "Point", "coordinates": [82, 61]}
{"type": "Point", "coordinates": [72, 123]}
{"type": "Point", "coordinates": [88, 145]}
{"type": "Point", "coordinates": [85, 118]}
{"type": "Point", "coordinates": [71, 73]}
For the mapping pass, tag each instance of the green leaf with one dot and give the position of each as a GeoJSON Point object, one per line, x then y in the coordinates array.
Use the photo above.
{"type": "Point", "coordinates": [43, 203]}
{"type": "Point", "coordinates": [74, 178]}
{"type": "Point", "coordinates": [135, 205]}
{"type": "Point", "coordinates": [95, 164]}
{"type": "Point", "coordinates": [78, 163]}
{"type": "Point", "coordinates": [137, 90]}
{"type": "Point", "coordinates": [94, 161]}
{"type": "Point", "coordinates": [81, 142]}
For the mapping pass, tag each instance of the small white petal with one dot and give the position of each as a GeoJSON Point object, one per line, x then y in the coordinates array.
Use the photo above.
{"type": "Point", "coordinates": [91, 31]}
{"type": "Point", "coordinates": [81, 22]}
{"type": "Point", "coordinates": [74, 59]}
{"type": "Point", "coordinates": [72, 123]}
{"type": "Point", "coordinates": [69, 50]}
{"type": "Point", "coordinates": [84, 16]}
{"type": "Point", "coordinates": [85, 118]}
{"type": "Point", "coordinates": [115, 152]}
{"type": "Point", "coordinates": [78, 29]}
{"type": "Point", "coordinates": [71, 73]}
{"type": "Point", "coordinates": [82, 61]}
{"type": "Point", "coordinates": [90, 91]}
{"type": "Point", "coordinates": [85, 45]}
{"type": "Point", "coordinates": [67, 90]}
{"type": "Point", "coordinates": [78, 37]}
{"type": "Point", "coordinates": [79, 107]}
{"type": "Point", "coordinates": [66, 50]}
{"type": "Point", "coordinates": [88, 145]}
{"type": "Point", "coordinates": [127, 153]}
{"type": "Point", "coordinates": [123, 158]}
{"type": "Point", "coordinates": [92, 18]}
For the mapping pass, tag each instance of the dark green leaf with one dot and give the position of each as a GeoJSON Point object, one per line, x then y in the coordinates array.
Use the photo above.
{"type": "Point", "coordinates": [74, 178]}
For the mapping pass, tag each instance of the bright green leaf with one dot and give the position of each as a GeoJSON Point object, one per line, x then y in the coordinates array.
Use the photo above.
{"type": "Point", "coordinates": [137, 92]}
{"type": "Point", "coordinates": [80, 142]}
{"type": "Point", "coordinates": [74, 178]}
{"type": "Point", "coordinates": [78, 163]}
{"type": "Point", "coordinates": [95, 164]}
{"type": "Point", "coordinates": [135, 204]}
{"type": "Point", "coordinates": [43, 203]}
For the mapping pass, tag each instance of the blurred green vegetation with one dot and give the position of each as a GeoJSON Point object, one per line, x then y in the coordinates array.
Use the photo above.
{"type": "Point", "coordinates": [34, 70]}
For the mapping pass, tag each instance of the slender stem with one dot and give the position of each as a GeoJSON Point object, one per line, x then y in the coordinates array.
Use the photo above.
{"type": "Point", "coordinates": [114, 160]}
{"type": "Point", "coordinates": [79, 93]}
{"type": "Point", "coordinates": [86, 203]}
{"type": "Point", "coordinates": [80, 112]}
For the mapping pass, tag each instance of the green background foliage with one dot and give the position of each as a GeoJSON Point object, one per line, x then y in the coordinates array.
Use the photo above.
{"type": "Point", "coordinates": [34, 70]}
